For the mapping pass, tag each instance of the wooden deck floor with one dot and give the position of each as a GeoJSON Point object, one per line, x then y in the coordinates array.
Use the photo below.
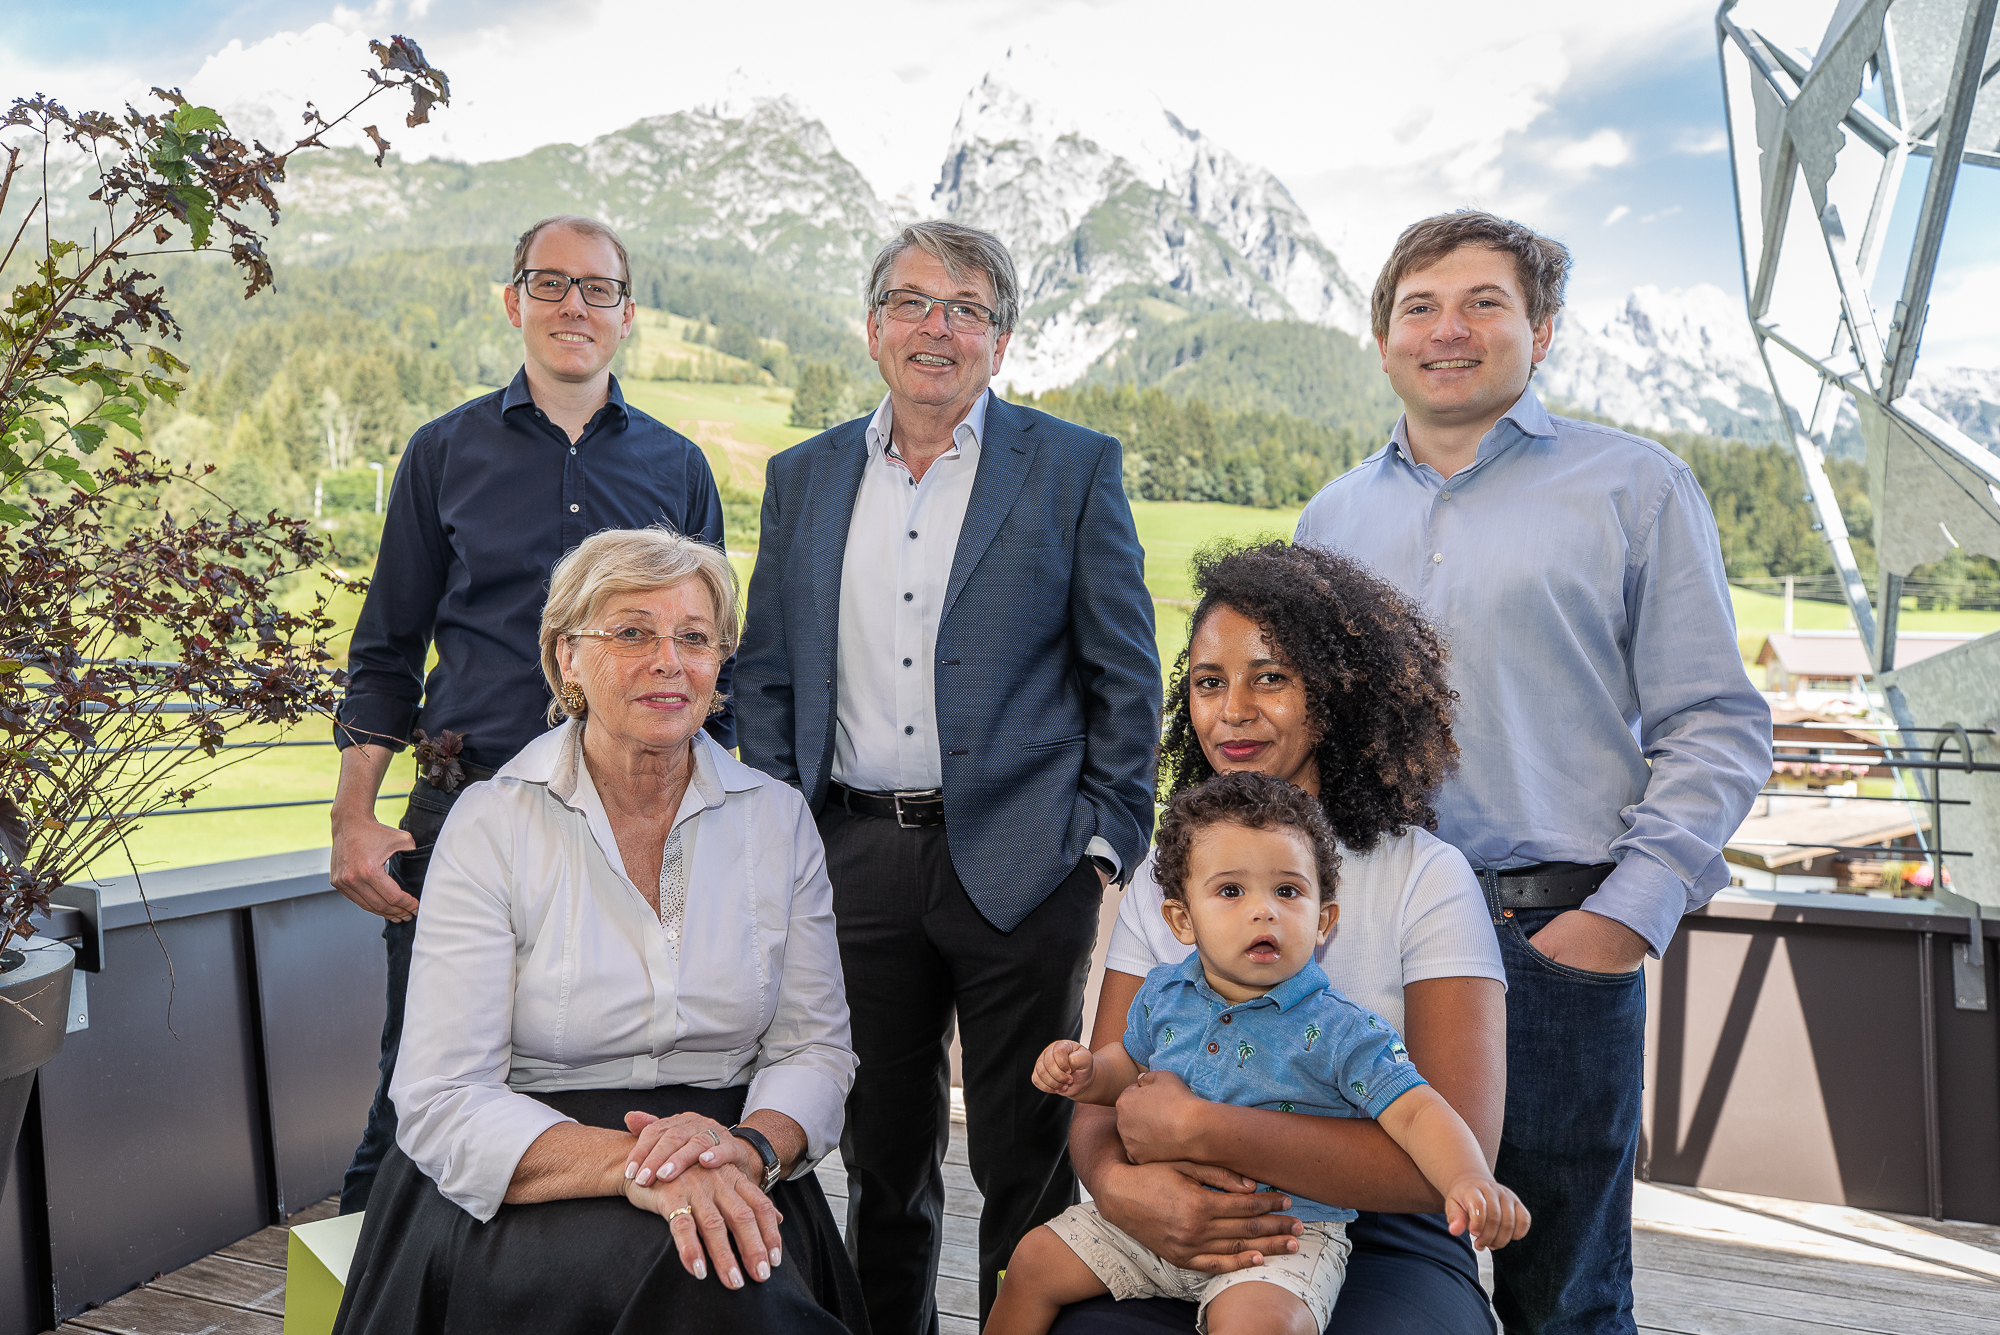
{"type": "Point", "coordinates": [1706, 1263]}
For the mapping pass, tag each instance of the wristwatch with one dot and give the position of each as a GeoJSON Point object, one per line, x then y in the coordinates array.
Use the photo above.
{"type": "Point", "coordinates": [755, 1139]}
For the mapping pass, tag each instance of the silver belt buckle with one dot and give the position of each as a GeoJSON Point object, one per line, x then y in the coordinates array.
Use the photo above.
{"type": "Point", "coordinates": [902, 824]}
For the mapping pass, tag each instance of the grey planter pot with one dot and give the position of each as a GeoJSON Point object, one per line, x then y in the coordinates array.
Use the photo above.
{"type": "Point", "coordinates": [38, 984]}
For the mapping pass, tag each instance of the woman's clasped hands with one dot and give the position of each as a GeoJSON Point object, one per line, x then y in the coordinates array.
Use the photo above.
{"type": "Point", "coordinates": [703, 1181]}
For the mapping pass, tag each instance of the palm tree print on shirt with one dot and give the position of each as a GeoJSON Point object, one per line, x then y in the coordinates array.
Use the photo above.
{"type": "Point", "coordinates": [1243, 1053]}
{"type": "Point", "coordinates": [1313, 1032]}
{"type": "Point", "coordinates": [1166, 1035]}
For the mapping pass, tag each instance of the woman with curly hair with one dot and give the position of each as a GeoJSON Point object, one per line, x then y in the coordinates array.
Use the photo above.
{"type": "Point", "coordinates": [1303, 665]}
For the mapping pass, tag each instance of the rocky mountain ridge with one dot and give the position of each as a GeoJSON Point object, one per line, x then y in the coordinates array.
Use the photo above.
{"type": "Point", "coordinates": [1120, 215]}
{"type": "Point", "coordinates": [1129, 226]}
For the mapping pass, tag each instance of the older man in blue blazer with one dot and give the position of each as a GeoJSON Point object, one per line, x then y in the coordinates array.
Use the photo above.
{"type": "Point", "coordinates": [950, 652]}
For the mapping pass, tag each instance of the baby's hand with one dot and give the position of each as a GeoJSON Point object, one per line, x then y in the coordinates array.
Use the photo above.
{"type": "Point", "coordinates": [1493, 1214]}
{"type": "Point", "coordinates": [1064, 1068]}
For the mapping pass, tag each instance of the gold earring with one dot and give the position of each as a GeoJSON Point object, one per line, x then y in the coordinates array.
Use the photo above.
{"type": "Point", "coordinates": [717, 701]}
{"type": "Point", "coordinates": [572, 701]}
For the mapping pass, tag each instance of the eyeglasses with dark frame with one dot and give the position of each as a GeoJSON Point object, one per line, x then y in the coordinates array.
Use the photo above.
{"type": "Point", "coordinates": [908, 306]}
{"type": "Point", "coordinates": [690, 646]}
{"type": "Point", "coordinates": [554, 285]}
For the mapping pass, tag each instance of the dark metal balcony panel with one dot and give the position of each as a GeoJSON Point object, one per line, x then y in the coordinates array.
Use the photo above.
{"type": "Point", "coordinates": [321, 979]}
{"type": "Point", "coordinates": [153, 1140]}
{"type": "Point", "coordinates": [24, 1247]}
{"type": "Point", "coordinates": [1807, 1046]}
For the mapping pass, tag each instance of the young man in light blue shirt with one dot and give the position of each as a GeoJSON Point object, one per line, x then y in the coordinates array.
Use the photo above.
{"type": "Point", "coordinates": [1610, 739]}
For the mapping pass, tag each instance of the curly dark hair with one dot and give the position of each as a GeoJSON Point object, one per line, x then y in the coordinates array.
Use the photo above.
{"type": "Point", "coordinates": [1373, 668]}
{"type": "Point", "coordinates": [1255, 802]}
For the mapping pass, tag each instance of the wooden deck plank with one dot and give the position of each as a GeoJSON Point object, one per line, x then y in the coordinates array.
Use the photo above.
{"type": "Point", "coordinates": [149, 1311]}
{"type": "Point", "coordinates": [228, 1281]}
{"type": "Point", "coordinates": [1659, 1292]}
{"type": "Point", "coordinates": [1700, 1259]}
{"type": "Point", "coordinates": [317, 1211]}
{"type": "Point", "coordinates": [264, 1247]}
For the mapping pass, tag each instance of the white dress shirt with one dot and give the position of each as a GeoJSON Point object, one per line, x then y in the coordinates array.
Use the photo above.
{"type": "Point", "coordinates": [900, 545]}
{"type": "Point", "coordinates": [538, 965]}
{"type": "Point", "coordinates": [901, 541]}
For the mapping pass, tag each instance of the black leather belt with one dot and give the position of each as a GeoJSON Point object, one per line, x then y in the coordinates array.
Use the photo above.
{"type": "Point", "coordinates": [909, 810]}
{"type": "Point", "coordinates": [1541, 885]}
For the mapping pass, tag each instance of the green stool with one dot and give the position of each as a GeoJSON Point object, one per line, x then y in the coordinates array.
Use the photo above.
{"type": "Point", "coordinates": [316, 1261]}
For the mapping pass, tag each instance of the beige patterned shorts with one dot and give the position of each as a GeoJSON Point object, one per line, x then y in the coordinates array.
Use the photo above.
{"type": "Point", "coordinates": [1130, 1270]}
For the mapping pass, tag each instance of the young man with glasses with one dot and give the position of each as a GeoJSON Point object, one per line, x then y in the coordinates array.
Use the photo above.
{"type": "Point", "coordinates": [949, 651]}
{"type": "Point", "coordinates": [487, 499]}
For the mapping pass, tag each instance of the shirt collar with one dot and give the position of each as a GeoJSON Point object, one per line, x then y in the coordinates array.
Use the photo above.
{"type": "Point", "coordinates": [1526, 420]}
{"type": "Point", "coordinates": [518, 395]}
{"type": "Point", "coordinates": [1307, 982]}
{"type": "Point", "coordinates": [966, 435]}
{"type": "Point", "coordinates": [555, 759]}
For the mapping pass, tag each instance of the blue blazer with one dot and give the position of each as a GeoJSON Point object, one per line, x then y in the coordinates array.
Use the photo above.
{"type": "Point", "coordinates": [1047, 675]}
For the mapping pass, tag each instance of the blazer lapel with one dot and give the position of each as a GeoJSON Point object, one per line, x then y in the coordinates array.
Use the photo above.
{"type": "Point", "coordinates": [829, 507]}
{"type": "Point", "coordinates": [1005, 456]}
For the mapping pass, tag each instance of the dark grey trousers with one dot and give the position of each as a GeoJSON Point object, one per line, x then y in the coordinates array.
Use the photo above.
{"type": "Point", "coordinates": [914, 949]}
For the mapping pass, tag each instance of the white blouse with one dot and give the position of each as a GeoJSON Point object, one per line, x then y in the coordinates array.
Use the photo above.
{"type": "Point", "coordinates": [538, 965]}
{"type": "Point", "coordinates": [1409, 910]}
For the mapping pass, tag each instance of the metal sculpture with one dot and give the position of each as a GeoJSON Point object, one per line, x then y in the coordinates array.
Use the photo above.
{"type": "Point", "coordinates": [1819, 147]}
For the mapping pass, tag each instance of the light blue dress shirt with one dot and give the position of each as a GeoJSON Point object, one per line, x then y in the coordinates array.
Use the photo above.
{"type": "Point", "coordinates": [1301, 1047]}
{"type": "Point", "coordinates": [1604, 714]}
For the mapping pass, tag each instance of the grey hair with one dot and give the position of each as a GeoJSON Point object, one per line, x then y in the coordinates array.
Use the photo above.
{"type": "Point", "coordinates": [630, 560]}
{"type": "Point", "coordinates": [961, 250]}
{"type": "Point", "coordinates": [571, 222]}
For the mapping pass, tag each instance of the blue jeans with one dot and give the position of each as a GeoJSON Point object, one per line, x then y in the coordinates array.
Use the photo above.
{"type": "Point", "coordinates": [423, 819]}
{"type": "Point", "coordinates": [1575, 1065]}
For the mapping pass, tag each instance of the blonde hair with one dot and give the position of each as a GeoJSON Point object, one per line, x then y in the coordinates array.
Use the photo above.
{"type": "Point", "coordinates": [631, 560]}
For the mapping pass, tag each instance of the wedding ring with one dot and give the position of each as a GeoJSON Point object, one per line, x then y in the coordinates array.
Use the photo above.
{"type": "Point", "coordinates": [684, 1210]}
{"type": "Point", "coordinates": [713, 1139]}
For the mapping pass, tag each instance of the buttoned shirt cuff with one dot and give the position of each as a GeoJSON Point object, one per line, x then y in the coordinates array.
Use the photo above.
{"type": "Point", "coordinates": [1100, 851]}
{"type": "Point", "coordinates": [1646, 896]}
{"type": "Point", "coordinates": [810, 1098]}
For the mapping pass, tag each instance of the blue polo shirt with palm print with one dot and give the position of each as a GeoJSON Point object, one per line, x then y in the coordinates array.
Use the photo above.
{"type": "Point", "coordinates": [1301, 1047]}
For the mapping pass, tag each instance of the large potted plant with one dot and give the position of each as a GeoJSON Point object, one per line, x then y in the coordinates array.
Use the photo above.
{"type": "Point", "coordinates": [141, 621]}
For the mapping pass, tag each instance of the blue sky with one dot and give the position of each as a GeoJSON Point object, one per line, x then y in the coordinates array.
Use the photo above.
{"type": "Point", "coordinates": [1600, 124]}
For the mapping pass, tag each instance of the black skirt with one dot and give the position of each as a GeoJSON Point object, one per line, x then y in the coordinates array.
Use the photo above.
{"type": "Point", "coordinates": [423, 1266]}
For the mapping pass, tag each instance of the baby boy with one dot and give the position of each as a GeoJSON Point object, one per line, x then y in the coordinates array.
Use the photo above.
{"type": "Point", "coordinates": [1248, 866]}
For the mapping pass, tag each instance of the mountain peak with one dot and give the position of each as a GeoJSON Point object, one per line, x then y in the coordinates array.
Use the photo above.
{"type": "Point", "coordinates": [1110, 201]}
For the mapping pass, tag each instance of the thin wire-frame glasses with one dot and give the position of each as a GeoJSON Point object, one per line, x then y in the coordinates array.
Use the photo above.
{"type": "Point", "coordinates": [553, 285]}
{"type": "Point", "coordinates": [691, 646]}
{"type": "Point", "coordinates": [907, 306]}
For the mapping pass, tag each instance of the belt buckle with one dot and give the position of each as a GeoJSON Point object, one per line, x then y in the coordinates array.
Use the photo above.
{"type": "Point", "coordinates": [902, 824]}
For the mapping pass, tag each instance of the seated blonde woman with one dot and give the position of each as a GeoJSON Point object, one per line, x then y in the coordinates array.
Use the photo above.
{"type": "Point", "coordinates": [627, 1041]}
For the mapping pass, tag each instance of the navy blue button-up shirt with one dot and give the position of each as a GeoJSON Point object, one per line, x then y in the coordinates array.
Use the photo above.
{"type": "Point", "coordinates": [487, 499]}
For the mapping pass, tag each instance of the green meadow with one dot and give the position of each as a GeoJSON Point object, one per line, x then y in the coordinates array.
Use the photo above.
{"type": "Point", "coordinates": [739, 426]}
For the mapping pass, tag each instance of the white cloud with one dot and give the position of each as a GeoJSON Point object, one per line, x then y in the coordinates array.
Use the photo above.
{"type": "Point", "coordinates": [1702, 143]}
{"type": "Point", "coordinates": [1414, 122]}
{"type": "Point", "coordinates": [1371, 114]}
{"type": "Point", "coordinates": [1615, 214]}
{"type": "Point", "coordinates": [1580, 157]}
{"type": "Point", "coordinates": [1960, 330]}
